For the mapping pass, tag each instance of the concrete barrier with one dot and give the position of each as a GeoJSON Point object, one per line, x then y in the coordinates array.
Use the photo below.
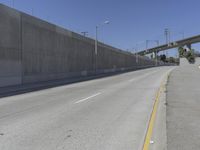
{"type": "Point", "coordinates": [33, 51]}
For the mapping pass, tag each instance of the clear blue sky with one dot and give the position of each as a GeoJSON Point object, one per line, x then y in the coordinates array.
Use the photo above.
{"type": "Point", "coordinates": [131, 21]}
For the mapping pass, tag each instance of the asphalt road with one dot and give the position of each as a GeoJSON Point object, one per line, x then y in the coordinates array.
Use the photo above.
{"type": "Point", "coordinates": [111, 113]}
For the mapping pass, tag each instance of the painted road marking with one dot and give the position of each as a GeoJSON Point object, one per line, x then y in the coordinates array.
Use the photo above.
{"type": "Point", "coordinates": [85, 99]}
{"type": "Point", "coordinates": [149, 132]}
{"type": "Point", "coordinates": [142, 76]}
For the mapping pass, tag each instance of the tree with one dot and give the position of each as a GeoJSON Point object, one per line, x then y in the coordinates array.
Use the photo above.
{"type": "Point", "coordinates": [187, 54]}
{"type": "Point", "coordinates": [190, 57]}
{"type": "Point", "coordinates": [163, 58]}
{"type": "Point", "coordinates": [182, 52]}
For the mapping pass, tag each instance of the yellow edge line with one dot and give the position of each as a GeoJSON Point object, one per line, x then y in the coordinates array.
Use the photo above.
{"type": "Point", "coordinates": [153, 117]}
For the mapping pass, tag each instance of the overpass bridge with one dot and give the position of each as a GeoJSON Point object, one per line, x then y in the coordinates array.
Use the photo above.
{"type": "Point", "coordinates": [180, 43]}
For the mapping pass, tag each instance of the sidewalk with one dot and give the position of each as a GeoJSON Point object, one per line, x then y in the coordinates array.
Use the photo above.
{"type": "Point", "coordinates": [183, 108]}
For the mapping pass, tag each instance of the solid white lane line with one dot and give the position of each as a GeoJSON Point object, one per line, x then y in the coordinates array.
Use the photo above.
{"type": "Point", "coordinates": [82, 100]}
{"type": "Point", "coordinates": [142, 76]}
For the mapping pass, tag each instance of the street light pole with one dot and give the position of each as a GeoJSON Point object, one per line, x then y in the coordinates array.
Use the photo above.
{"type": "Point", "coordinates": [96, 46]}
{"type": "Point", "coordinates": [96, 40]}
{"type": "Point", "coordinates": [13, 3]}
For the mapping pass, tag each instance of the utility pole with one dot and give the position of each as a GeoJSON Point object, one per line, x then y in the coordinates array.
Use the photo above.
{"type": "Point", "coordinates": [183, 34]}
{"type": "Point", "coordinates": [136, 53]}
{"type": "Point", "coordinates": [147, 45]}
{"type": "Point", "coordinates": [84, 33]}
{"type": "Point", "coordinates": [167, 36]}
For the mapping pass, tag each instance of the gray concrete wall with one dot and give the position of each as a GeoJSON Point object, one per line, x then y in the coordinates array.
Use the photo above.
{"type": "Point", "coordinates": [32, 50]}
{"type": "Point", "coordinates": [10, 47]}
{"type": "Point", "coordinates": [184, 62]}
{"type": "Point", "coordinates": [50, 52]}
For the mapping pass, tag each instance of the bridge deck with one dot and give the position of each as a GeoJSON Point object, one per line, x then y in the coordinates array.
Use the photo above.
{"type": "Point", "coordinates": [187, 41]}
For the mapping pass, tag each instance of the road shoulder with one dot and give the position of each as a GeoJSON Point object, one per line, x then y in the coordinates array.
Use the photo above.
{"type": "Point", "coordinates": [183, 105]}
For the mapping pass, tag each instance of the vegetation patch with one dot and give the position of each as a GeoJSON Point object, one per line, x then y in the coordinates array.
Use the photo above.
{"type": "Point", "coordinates": [188, 54]}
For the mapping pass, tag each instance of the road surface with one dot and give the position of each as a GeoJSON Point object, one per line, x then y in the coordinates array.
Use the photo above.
{"type": "Point", "coordinates": [110, 113]}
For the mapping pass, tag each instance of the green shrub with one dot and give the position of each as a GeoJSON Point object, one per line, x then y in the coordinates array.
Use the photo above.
{"type": "Point", "coordinates": [182, 52]}
{"type": "Point", "coordinates": [190, 57]}
{"type": "Point", "coordinates": [187, 54]}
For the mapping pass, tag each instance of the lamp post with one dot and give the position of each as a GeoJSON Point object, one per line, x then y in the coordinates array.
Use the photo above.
{"type": "Point", "coordinates": [96, 44]}
{"type": "Point", "coordinates": [13, 3]}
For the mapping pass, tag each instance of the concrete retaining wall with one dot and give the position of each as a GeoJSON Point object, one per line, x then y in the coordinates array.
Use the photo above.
{"type": "Point", "coordinates": [32, 50]}
{"type": "Point", "coordinates": [184, 62]}
{"type": "Point", "coordinates": [10, 47]}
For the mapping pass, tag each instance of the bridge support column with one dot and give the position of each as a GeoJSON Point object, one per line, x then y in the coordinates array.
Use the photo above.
{"type": "Point", "coordinates": [156, 57]}
{"type": "Point", "coordinates": [189, 46]}
{"type": "Point", "coordinates": [155, 54]}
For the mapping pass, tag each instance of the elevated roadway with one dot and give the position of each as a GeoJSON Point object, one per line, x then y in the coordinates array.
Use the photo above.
{"type": "Point", "coordinates": [179, 43]}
